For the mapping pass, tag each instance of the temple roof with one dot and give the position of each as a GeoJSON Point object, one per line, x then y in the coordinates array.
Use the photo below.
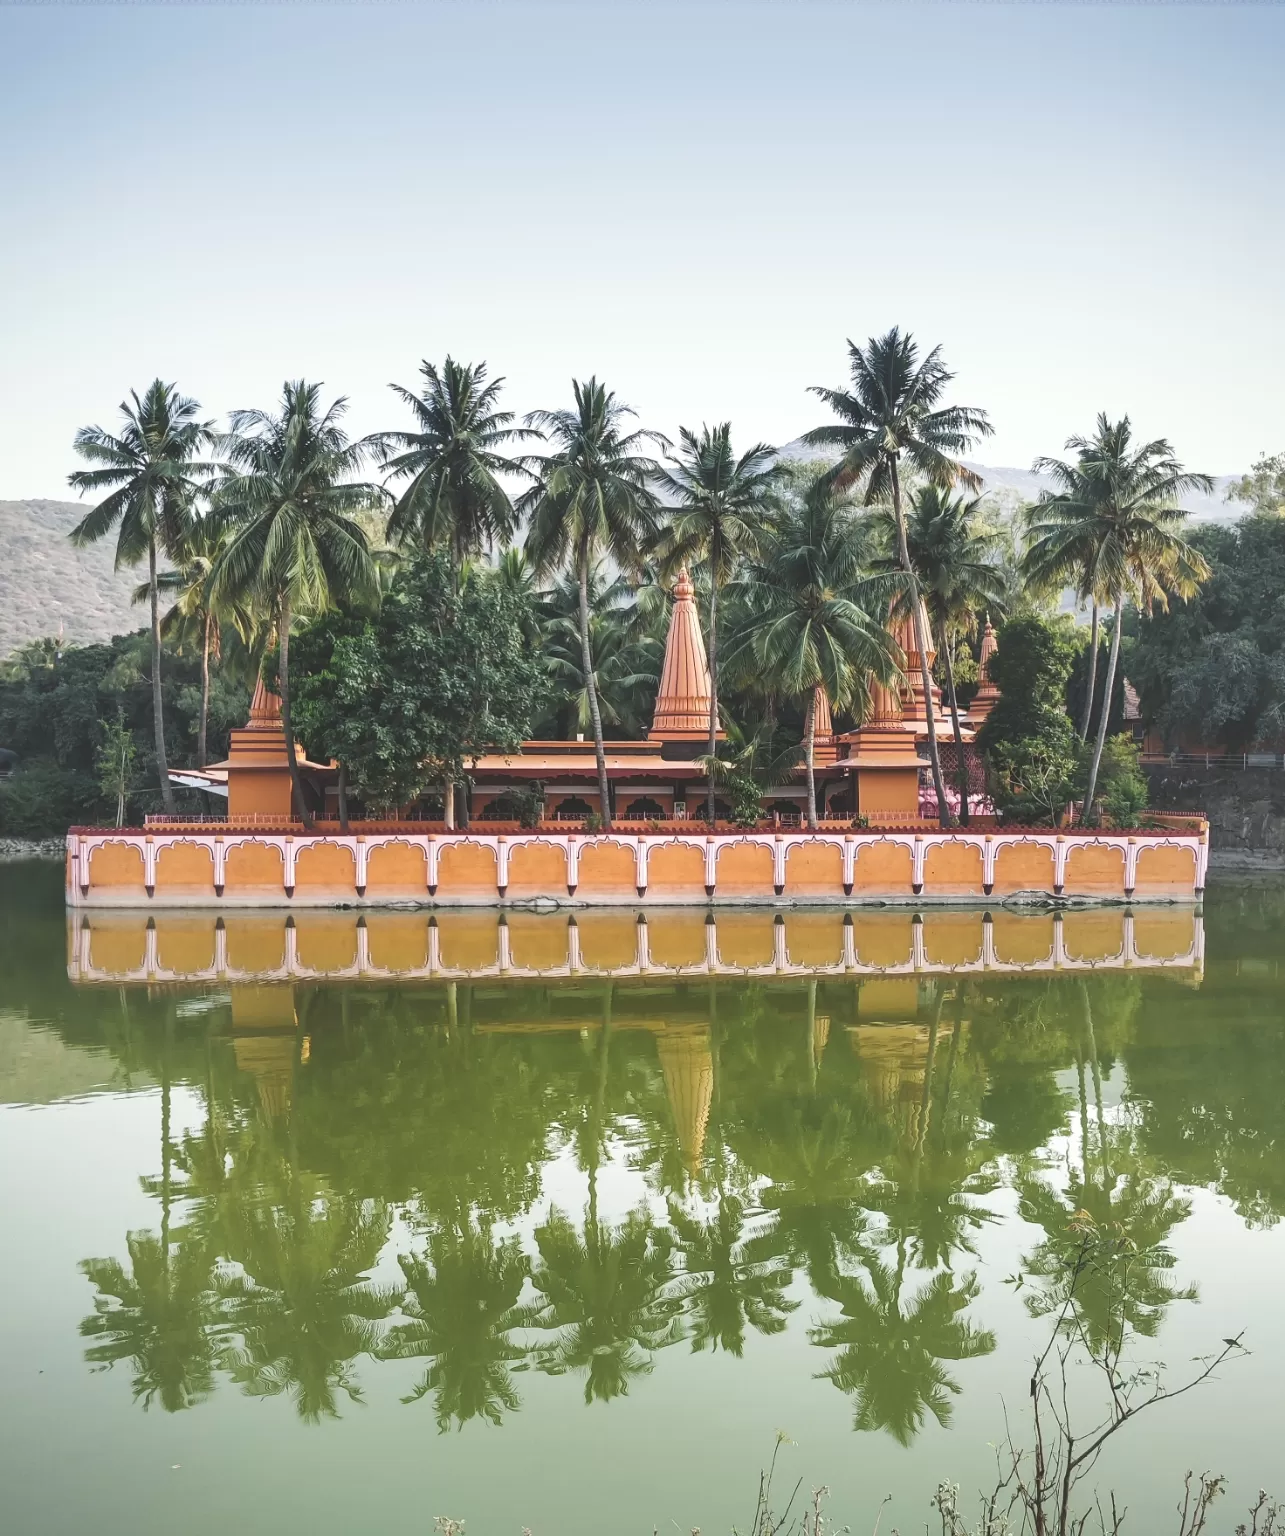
{"type": "Point", "coordinates": [683, 699]}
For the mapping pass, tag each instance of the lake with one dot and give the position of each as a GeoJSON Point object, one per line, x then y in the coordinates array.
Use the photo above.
{"type": "Point", "coordinates": [303, 1236]}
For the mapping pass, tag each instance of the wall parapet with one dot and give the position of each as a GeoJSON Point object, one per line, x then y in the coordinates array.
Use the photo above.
{"type": "Point", "coordinates": [201, 865]}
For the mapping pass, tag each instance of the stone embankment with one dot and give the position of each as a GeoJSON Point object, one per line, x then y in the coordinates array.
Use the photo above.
{"type": "Point", "coordinates": [1245, 808]}
{"type": "Point", "coordinates": [14, 848]}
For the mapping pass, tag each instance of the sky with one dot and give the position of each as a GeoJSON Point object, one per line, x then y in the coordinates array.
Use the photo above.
{"type": "Point", "coordinates": [1084, 205]}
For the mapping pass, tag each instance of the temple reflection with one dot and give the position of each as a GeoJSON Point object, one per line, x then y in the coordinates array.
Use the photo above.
{"type": "Point", "coordinates": [810, 1123]}
{"type": "Point", "coordinates": [130, 946]}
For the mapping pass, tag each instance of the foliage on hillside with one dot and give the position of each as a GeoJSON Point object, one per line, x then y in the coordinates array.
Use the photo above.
{"type": "Point", "coordinates": [1212, 669]}
{"type": "Point", "coordinates": [59, 704]}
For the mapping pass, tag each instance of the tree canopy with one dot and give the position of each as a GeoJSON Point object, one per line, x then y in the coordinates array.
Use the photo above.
{"type": "Point", "coordinates": [406, 697]}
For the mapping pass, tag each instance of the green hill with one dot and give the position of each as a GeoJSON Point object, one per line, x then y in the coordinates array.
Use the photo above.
{"type": "Point", "coordinates": [47, 587]}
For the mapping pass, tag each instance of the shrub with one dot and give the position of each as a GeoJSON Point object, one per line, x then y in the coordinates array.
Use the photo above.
{"type": "Point", "coordinates": [43, 799]}
{"type": "Point", "coordinates": [1122, 785]}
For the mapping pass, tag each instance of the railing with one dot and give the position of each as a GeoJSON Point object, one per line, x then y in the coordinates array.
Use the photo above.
{"type": "Point", "coordinates": [1233, 760]}
{"type": "Point", "coordinates": [1187, 822]}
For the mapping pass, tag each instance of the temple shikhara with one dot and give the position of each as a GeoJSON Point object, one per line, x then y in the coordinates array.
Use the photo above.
{"type": "Point", "coordinates": [876, 771]}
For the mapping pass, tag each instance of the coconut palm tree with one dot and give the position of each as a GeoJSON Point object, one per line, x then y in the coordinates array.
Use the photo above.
{"type": "Point", "coordinates": [193, 614]}
{"type": "Point", "coordinates": [958, 575]}
{"type": "Point", "coordinates": [592, 497]}
{"type": "Point", "coordinates": [807, 624]}
{"type": "Point", "coordinates": [153, 472]}
{"type": "Point", "coordinates": [1116, 513]}
{"type": "Point", "coordinates": [1046, 568]}
{"type": "Point", "coordinates": [296, 545]}
{"type": "Point", "coordinates": [892, 414]}
{"type": "Point", "coordinates": [626, 659]}
{"type": "Point", "coordinates": [452, 462]}
{"type": "Point", "coordinates": [724, 503]}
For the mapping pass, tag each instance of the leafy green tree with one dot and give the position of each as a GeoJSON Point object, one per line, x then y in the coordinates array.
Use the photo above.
{"type": "Point", "coordinates": [807, 622]}
{"type": "Point", "coordinates": [194, 613]}
{"type": "Point", "coordinates": [116, 760]}
{"type": "Point", "coordinates": [153, 474]}
{"type": "Point", "coordinates": [724, 505]}
{"type": "Point", "coordinates": [462, 1300]}
{"type": "Point", "coordinates": [56, 703]}
{"type": "Point", "coordinates": [452, 462]}
{"type": "Point", "coordinates": [627, 653]}
{"type": "Point", "coordinates": [1121, 503]}
{"type": "Point", "coordinates": [403, 698]}
{"type": "Point", "coordinates": [1028, 739]}
{"type": "Point", "coordinates": [297, 545]}
{"type": "Point", "coordinates": [1122, 782]}
{"type": "Point", "coordinates": [893, 413]}
{"type": "Point", "coordinates": [957, 569]}
{"type": "Point", "coordinates": [1212, 668]}
{"type": "Point", "coordinates": [1263, 488]}
{"type": "Point", "coordinates": [593, 496]}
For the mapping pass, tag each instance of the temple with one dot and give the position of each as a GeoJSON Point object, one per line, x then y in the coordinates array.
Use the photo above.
{"type": "Point", "coordinates": [874, 771]}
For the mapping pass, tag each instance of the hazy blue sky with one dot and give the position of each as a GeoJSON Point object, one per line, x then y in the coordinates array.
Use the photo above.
{"type": "Point", "coordinates": [1084, 205]}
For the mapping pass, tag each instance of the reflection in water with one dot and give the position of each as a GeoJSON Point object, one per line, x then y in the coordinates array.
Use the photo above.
{"type": "Point", "coordinates": [459, 1154]}
{"type": "Point", "coordinates": [273, 946]}
{"type": "Point", "coordinates": [601, 1184]}
{"type": "Point", "coordinates": [843, 1132]}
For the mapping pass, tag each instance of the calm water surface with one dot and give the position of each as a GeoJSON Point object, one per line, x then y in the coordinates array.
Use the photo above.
{"type": "Point", "coordinates": [567, 1252]}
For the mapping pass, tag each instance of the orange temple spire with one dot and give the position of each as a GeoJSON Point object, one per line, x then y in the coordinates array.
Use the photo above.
{"type": "Point", "coordinates": [682, 701]}
{"type": "Point", "coordinates": [987, 695]}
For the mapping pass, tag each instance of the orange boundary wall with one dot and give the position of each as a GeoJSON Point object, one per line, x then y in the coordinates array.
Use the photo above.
{"type": "Point", "coordinates": [157, 867]}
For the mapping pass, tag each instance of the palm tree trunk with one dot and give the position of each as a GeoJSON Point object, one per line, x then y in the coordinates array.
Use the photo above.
{"type": "Point", "coordinates": [812, 779]}
{"type": "Point", "coordinates": [283, 682]}
{"type": "Point", "coordinates": [962, 772]}
{"type": "Point", "coordinates": [167, 1190]}
{"type": "Point", "coordinates": [1105, 716]}
{"type": "Point", "coordinates": [202, 728]}
{"type": "Point", "coordinates": [343, 798]}
{"type": "Point", "coordinates": [158, 718]}
{"type": "Point", "coordinates": [604, 789]}
{"type": "Point", "coordinates": [713, 683]}
{"type": "Point", "coordinates": [921, 640]}
{"type": "Point", "coordinates": [1087, 716]}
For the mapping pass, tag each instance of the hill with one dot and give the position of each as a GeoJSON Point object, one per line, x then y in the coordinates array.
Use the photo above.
{"type": "Point", "coordinates": [1009, 488]}
{"type": "Point", "coordinates": [47, 587]}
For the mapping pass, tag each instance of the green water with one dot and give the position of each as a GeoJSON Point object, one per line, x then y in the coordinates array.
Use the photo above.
{"type": "Point", "coordinates": [568, 1254]}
